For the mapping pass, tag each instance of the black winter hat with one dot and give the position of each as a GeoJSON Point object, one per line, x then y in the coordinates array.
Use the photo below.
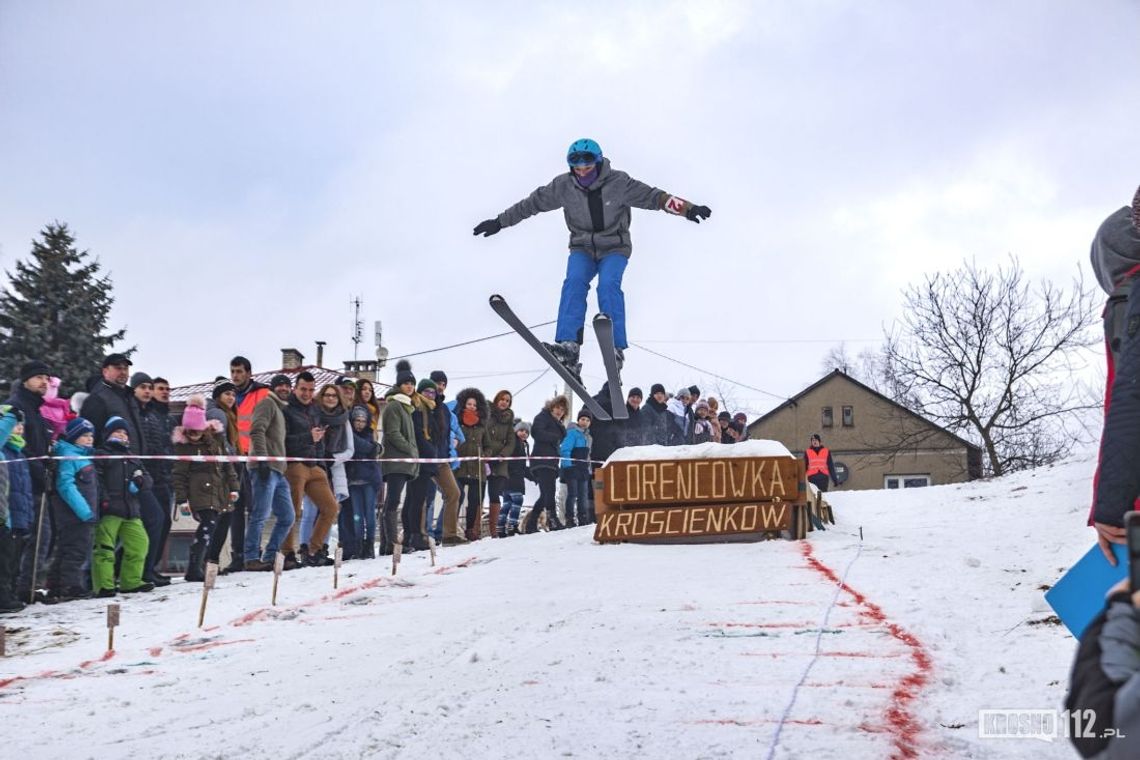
{"type": "Point", "coordinates": [140, 378]}
{"type": "Point", "coordinates": [221, 387]}
{"type": "Point", "coordinates": [32, 369]}
{"type": "Point", "coordinates": [584, 412]}
{"type": "Point", "coordinates": [657, 388]}
{"type": "Point", "coordinates": [404, 373]}
{"type": "Point", "coordinates": [636, 392]}
{"type": "Point", "coordinates": [114, 359]}
{"type": "Point", "coordinates": [280, 380]}
{"type": "Point", "coordinates": [724, 416]}
{"type": "Point", "coordinates": [438, 376]}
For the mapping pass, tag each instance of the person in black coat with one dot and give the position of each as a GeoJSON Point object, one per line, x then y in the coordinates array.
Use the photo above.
{"type": "Point", "coordinates": [657, 424]}
{"type": "Point", "coordinates": [518, 472]}
{"type": "Point", "coordinates": [547, 431]}
{"type": "Point", "coordinates": [27, 398]}
{"type": "Point", "coordinates": [428, 433]}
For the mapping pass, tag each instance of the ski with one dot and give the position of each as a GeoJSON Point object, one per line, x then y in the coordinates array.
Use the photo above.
{"type": "Point", "coordinates": [499, 304]}
{"type": "Point", "coordinates": [604, 330]}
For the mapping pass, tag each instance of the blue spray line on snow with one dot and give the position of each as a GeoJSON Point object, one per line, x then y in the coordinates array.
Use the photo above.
{"type": "Point", "coordinates": [815, 655]}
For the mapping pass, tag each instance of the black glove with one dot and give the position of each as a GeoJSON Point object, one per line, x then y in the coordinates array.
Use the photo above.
{"type": "Point", "coordinates": [18, 413]}
{"type": "Point", "coordinates": [137, 479]}
{"type": "Point", "coordinates": [697, 213]}
{"type": "Point", "coordinates": [263, 470]}
{"type": "Point", "coordinates": [488, 228]}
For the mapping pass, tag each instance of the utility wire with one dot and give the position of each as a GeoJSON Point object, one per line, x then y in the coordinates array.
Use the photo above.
{"type": "Point", "coordinates": [707, 372]}
{"type": "Point", "coordinates": [532, 382]}
{"type": "Point", "coordinates": [466, 342]}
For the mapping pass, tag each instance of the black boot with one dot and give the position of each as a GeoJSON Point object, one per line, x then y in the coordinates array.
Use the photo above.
{"type": "Point", "coordinates": [530, 524]}
{"type": "Point", "coordinates": [388, 529]}
{"type": "Point", "coordinates": [196, 567]}
{"type": "Point", "coordinates": [320, 557]}
{"type": "Point", "coordinates": [237, 564]}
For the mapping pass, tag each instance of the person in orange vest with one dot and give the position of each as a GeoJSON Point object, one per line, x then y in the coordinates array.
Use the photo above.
{"type": "Point", "coordinates": [820, 468]}
{"type": "Point", "coordinates": [248, 393]}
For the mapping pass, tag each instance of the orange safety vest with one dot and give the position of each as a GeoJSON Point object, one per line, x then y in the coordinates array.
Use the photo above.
{"type": "Point", "coordinates": [817, 462]}
{"type": "Point", "coordinates": [245, 416]}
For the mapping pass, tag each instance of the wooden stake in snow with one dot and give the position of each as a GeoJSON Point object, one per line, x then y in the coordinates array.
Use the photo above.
{"type": "Point", "coordinates": [396, 550]}
{"type": "Point", "coordinates": [211, 576]}
{"type": "Point", "coordinates": [431, 548]}
{"type": "Point", "coordinates": [112, 621]}
{"type": "Point", "coordinates": [278, 568]}
{"type": "Point", "coordinates": [338, 559]}
{"type": "Point", "coordinates": [3, 631]}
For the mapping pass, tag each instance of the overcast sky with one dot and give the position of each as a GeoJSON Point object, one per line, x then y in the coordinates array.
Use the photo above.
{"type": "Point", "coordinates": [244, 169]}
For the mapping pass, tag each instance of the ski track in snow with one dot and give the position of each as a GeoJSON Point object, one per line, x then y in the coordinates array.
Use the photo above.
{"type": "Point", "coordinates": [552, 646]}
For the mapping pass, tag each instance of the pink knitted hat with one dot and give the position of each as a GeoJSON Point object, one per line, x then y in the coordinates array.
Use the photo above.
{"type": "Point", "coordinates": [194, 416]}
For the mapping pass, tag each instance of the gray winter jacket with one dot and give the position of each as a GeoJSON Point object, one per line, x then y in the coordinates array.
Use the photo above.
{"type": "Point", "coordinates": [1120, 660]}
{"type": "Point", "coordinates": [598, 216]}
{"type": "Point", "coordinates": [1115, 249]}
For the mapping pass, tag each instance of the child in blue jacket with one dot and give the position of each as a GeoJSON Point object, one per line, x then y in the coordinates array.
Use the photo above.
{"type": "Point", "coordinates": [574, 468]}
{"type": "Point", "coordinates": [73, 503]}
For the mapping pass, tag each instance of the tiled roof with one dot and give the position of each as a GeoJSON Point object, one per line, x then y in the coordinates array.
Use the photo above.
{"type": "Point", "coordinates": [323, 377]}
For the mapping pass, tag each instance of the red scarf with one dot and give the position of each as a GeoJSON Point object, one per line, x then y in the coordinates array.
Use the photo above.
{"type": "Point", "coordinates": [469, 417]}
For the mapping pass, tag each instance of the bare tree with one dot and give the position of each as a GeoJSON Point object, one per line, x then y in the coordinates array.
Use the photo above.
{"type": "Point", "coordinates": [866, 366]}
{"type": "Point", "coordinates": [990, 356]}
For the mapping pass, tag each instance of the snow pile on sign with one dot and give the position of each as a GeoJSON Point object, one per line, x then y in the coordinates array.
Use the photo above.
{"type": "Point", "coordinates": [553, 646]}
{"type": "Point", "coordinates": [712, 450]}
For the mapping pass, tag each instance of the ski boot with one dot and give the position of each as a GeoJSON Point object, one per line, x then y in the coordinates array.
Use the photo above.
{"type": "Point", "coordinates": [566, 352]}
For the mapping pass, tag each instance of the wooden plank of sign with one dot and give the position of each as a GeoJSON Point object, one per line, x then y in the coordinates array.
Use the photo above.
{"type": "Point", "coordinates": [692, 521]}
{"type": "Point", "coordinates": [699, 481]}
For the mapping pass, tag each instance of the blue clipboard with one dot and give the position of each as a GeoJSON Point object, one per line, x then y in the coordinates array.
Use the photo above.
{"type": "Point", "coordinates": [1078, 597]}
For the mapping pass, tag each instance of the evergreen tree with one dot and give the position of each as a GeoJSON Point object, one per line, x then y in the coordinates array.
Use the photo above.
{"type": "Point", "coordinates": [55, 309]}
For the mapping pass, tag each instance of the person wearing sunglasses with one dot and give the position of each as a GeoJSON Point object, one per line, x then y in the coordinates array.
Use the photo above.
{"type": "Point", "coordinates": [595, 200]}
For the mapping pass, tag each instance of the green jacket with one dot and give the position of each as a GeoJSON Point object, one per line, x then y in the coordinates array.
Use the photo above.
{"type": "Point", "coordinates": [476, 443]}
{"type": "Point", "coordinates": [267, 431]}
{"type": "Point", "coordinates": [500, 439]}
{"type": "Point", "coordinates": [399, 436]}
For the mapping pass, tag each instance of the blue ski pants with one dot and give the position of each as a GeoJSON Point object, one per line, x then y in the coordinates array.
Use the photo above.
{"type": "Point", "coordinates": [581, 268]}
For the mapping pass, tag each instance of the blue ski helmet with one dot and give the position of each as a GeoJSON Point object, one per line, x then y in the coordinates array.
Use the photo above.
{"type": "Point", "coordinates": [584, 152]}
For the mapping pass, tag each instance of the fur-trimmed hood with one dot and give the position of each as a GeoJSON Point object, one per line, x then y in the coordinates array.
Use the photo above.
{"type": "Point", "coordinates": [480, 404]}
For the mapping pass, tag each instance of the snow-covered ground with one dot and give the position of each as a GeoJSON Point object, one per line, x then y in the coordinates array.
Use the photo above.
{"type": "Point", "coordinates": [552, 646]}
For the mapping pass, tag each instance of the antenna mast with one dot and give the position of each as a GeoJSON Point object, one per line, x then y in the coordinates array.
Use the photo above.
{"type": "Point", "coordinates": [357, 327]}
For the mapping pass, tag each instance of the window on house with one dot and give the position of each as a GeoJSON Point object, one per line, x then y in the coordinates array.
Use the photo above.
{"type": "Point", "coordinates": [828, 419]}
{"type": "Point", "coordinates": [906, 481]}
{"type": "Point", "coordinates": [848, 416]}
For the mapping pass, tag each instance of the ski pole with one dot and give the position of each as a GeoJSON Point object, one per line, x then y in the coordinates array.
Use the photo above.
{"type": "Point", "coordinates": [39, 537]}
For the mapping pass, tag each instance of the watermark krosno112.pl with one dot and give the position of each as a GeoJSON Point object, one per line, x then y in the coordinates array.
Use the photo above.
{"type": "Point", "coordinates": [1045, 725]}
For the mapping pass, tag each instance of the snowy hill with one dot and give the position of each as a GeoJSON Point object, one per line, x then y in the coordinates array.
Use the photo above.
{"type": "Point", "coordinates": [552, 646]}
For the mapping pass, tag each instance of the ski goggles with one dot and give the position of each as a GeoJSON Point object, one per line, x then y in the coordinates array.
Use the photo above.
{"type": "Point", "coordinates": [582, 158]}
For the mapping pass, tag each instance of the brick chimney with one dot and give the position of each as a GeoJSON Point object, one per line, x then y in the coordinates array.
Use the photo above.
{"type": "Point", "coordinates": [291, 358]}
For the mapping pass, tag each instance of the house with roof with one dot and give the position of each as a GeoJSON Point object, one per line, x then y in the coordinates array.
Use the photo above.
{"type": "Point", "coordinates": [879, 442]}
{"type": "Point", "coordinates": [292, 364]}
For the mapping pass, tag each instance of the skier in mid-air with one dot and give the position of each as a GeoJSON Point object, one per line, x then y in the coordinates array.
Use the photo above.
{"type": "Point", "coordinates": [595, 200]}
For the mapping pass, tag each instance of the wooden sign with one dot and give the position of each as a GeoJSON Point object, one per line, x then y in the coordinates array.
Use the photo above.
{"type": "Point", "coordinates": [112, 621]}
{"type": "Point", "coordinates": [749, 480]}
{"type": "Point", "coordinates": [3, 643]}
{"type": "Point", "coordinates": [687, 522]}
{"type": "Point", "coordinates": [338, 560]}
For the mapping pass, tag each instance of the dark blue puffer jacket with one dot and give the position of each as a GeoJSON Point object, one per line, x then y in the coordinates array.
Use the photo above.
{"type": "Point", "coordinates": [21, 502]}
